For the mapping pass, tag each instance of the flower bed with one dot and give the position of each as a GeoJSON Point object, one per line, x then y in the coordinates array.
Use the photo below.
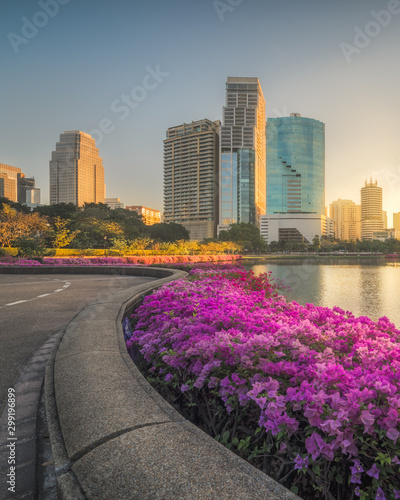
{"type": "Point", "coordinates": [117, 261]}
{"type": "Point", "coordinates": [308, 394]}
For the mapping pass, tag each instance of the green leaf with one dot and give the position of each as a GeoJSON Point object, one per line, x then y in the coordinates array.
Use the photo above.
{"type": "Point", "coordinates": [339, 479]}
{"type": "Point", "coordinates": [294, 489]}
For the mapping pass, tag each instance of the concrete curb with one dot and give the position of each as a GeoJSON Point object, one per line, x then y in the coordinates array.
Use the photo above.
{"type": "Point", "coordinates": [114, 436]}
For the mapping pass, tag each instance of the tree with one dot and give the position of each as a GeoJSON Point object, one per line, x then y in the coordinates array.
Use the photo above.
{"type": "Point", "coordinates": [168, 232]}
{"type": "Point", "coordinates": [15, 225]}
{"type": "Point", "coordinates": [246, 235]}
{"type": "Point", "coordinates": [61, 210]}
{"type": "Point", "coordinates": [62, 236]}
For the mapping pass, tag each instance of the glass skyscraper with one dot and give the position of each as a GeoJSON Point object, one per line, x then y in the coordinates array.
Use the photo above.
{"type": "Point", "coordinates": [295, 165]}
{"type": "Point", "coordinates": [242, 172]}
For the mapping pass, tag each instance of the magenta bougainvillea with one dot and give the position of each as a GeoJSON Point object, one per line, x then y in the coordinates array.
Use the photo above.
{"type": "Point", "coordinates": [323, 384]}
{"type": "Point", "coordinates": [116, 261]}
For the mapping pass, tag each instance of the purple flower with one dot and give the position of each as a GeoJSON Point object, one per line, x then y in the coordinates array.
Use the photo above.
{"type": "Point", "coordinates": [300, 462]}
{"type": "Point", "coordinates": [357, 491]}
{"type": "Point", "coordinates": [356, 468]}
{"type": "Point", "coordinates": [373, 472]}
{"type": "Point", "coordinates": [168, 377]}
{"type": "Point", "coordinates": [184, 387]}
{"type": "Point", "coordinates": [396, 494]}
{"type": "Point", "coordinates": [379, 494]}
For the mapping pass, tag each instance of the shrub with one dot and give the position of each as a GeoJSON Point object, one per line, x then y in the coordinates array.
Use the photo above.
{"type": "Point", "coordinates": [308, 394]}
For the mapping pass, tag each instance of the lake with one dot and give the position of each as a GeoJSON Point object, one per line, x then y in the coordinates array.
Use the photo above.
{"type": "Point", "coordinates": [365, 286]}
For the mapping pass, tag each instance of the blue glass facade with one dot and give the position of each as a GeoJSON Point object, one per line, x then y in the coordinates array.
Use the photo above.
{"type": "Point", "coordinates": [295, 165]}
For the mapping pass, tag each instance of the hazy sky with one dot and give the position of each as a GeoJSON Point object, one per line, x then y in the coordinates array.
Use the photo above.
{"type": "Point", "coordinates": [335, 61]}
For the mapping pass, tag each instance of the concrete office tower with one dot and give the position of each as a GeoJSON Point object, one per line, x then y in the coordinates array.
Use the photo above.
{"type": "Point", "coordinates": [295, 165]}
{"type": "Point", "coordinates": [347, 217]}
{"type": "Point", "coordinates": [396, 221]}
{"type": "Point", "coordinates": [385, 219]}
{"type": "Point", "coordinates": [114, 203]}
{"type": "Point", "coordinates": [371, 210]}
{"type": "Point", "coordinates": [76, 170]}
{"type": "Point", "coordinates": [32, 197]}
{"type": "Point", "coordinates": [150, 216]}
{"type": "Point", "coordinates": [23, 185]}
{"type": "Point", "coordinates": [9, 181]}
{"type": "Point", "coordinates": [242, 174]}
{"type": "Point", "coordinates": [191, 165]}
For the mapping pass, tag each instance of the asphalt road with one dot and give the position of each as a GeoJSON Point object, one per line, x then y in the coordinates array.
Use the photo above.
{"type": "Point", "coordinates": [34, 307]}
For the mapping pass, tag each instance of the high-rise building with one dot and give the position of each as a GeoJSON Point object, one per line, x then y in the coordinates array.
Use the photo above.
{"type": "Point", "coordinates": [242, 174]}
{"type": "Point", "coordinates": [150, 216]}
{"type": "Point", "coordinates": [295, 227]}
{"type": "Point", "coordinates": [76, 170]}
{"type": "Point", "coordinates": [396, 221]}
{"type": "Point", "coordinates": [295, 165]}
{"type": "Point", "coordinates": [114, 203]}
{"type": "Point", "coordinates": [347, 217]}
{"type": "Point", "coordinates": [9, 181]}
{"type": "Point", "coordinates": [371, 210]}
{"type": "Point", "coordinates": [385, 219]}
{"type": "Point", "coordinates": [24, 184]}
{"type": "Point", "coordinates": [32, 197]}
{"type": "Point", "coordinates": [191, 165]}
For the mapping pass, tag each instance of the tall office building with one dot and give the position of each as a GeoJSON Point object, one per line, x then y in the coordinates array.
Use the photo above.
{"type": "Point", "coordinates": [76, 170]}
{"type": "Point", "coordinates": [347, 217]}
{"type": "Point", "coordinates": [295, 165]}
{"type": "Point", "coordinates": [191, 164]}
{"type": "Point", "coordinates": [9, 181]}
{"type": "Point", "coordinates": [396, 221]}
{"type": "Point", "coordinates": [242, 174]}
{"type": "Point", "coordinates": [27, 192]}
{"type": "Point", "coordinates": [371, 210]}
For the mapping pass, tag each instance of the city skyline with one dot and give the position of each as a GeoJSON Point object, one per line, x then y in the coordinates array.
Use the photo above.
{"type": "Point", "coordinates": [142, 70]}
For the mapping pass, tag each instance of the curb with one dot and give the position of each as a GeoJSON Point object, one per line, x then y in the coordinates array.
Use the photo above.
{"type": "Point", "coordinates": [114, 436]}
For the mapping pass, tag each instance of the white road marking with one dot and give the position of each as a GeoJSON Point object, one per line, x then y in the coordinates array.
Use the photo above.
{"type": "Point", "coordinates": [66, 285]}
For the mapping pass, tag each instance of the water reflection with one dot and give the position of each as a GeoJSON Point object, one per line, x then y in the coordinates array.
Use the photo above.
{"type": "Point", "coordinates": [366, 287]}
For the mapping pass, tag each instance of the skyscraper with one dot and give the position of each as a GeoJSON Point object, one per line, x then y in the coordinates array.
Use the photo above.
{"type": "Point", "coordinates": [347, 217]}
{"type": "Point", "coordinates": [295, 165]}
{"type": "Point", "coordinates": [396, 221]}
{"type": "Point", "coordinates": [371, 210]}
{"type": "Point", "coordinates": [76, 170]}
{"type": "Point", "coordinates": [242, 174]}
{"type": "Point", "coordinates": [9, 181]}
{"type": "Point", "coordinates": [191, 164]}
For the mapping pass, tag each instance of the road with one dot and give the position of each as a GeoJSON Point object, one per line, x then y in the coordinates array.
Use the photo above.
{"type": "Point", "coordinates": [34, 307]}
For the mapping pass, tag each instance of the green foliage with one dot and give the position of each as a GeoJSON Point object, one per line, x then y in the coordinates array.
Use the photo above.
{"type": "Point", "coordinates": [62, 236]}
{"type": "Point", "coordinates": [246, 235]}
{"type": "Point", "coordinates": [30, 247]}
{"type": "Point", "coordinates": [168, 232]}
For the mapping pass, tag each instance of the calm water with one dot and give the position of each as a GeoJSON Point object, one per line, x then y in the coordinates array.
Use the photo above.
{"type": "Point", "coordinates": [366, 287]}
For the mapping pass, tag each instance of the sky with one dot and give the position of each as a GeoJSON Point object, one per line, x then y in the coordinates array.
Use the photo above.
{"type": "Point", "coordinates": [70, 64]}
